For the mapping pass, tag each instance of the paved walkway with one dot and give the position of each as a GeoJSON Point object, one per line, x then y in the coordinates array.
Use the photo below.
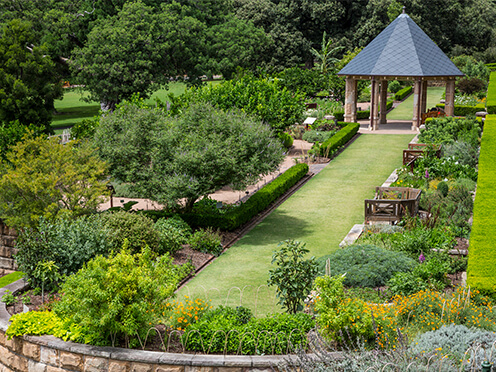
{"type": "Point", "coordinates": [392, 127]}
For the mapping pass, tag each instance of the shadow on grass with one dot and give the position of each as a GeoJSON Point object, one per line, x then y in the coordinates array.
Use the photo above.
{"type": "Point", "coordinates": [277, 227]}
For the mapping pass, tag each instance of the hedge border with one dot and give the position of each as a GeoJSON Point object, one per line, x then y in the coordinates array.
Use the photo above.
{"type": "Point", "coordinates": [361, 115]}
{"type": "Point", "coordinates": [339, 139]}
{"type": "Point", "coordinates": [257, 203]}
{"type": "Point", "coordinates": [491, 94]}
{"type": "Point", "coordinates": [481, 271]}
{"type": "Point", "coordinates": [403, 93]}
{"type": "Point", "coordinates": [461, 110]}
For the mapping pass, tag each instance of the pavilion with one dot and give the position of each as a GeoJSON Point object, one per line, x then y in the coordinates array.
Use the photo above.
{"type": "Point", "coordinates": [402, 51]}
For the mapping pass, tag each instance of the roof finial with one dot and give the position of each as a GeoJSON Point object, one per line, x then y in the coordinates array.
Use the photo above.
{"type": "Point", "coordinates": [404, 9]}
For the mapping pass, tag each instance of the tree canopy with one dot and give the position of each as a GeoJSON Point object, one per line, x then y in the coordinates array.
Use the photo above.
{"type": "Point", "coordinates": [181, 159]}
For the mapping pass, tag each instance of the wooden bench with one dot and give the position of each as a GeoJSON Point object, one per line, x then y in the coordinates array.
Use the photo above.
{"type": "Point", "coordinates": [391, 204]}
{"type": "Point", "coordinates": [417, 150]}
{"type": "Point", "coordinates": [432, 114]}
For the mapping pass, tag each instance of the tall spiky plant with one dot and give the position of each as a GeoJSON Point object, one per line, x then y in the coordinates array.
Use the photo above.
{"type": "Point", "coordinates": [323, 56]}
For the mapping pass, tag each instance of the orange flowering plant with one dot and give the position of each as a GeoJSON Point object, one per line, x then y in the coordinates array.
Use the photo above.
{"type": "Point", "coordinates": [183, 313]}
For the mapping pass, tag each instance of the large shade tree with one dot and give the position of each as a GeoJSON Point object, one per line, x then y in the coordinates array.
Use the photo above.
{"type": "Point", "coordinates": [179, 160]}
{"type": "Point", "coordinates": [28, 85]}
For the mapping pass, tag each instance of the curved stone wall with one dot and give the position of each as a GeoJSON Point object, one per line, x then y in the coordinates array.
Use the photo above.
{"type": "Point", "coordinates": [50, 354]}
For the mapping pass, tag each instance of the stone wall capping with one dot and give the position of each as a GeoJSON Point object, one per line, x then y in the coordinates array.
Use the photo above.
{"type": "Point", "coordinates": [177, 359]}
{"type": "Point", "coordinates": [238, 361]}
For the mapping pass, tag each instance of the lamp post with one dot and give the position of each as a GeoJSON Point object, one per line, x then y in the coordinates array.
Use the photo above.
{"type": "Point", "coordinates": [111, 190]}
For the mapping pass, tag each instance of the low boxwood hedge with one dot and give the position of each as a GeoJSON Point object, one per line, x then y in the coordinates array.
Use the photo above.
{"type": "Point", "coordinates": [491, 94]}
{"type": "Point", "coordinates": [465, 110]}
{"type": "Point", "coordinates": [236, 217]}
{"type": "Point", "coordinates": [481, 272]}
{"type": "Point", "coordinates": [403, 93]}
{"type": "Point", "coordinates": [328, 147]}
{"type": "Point", "coordinates": [361, 115]}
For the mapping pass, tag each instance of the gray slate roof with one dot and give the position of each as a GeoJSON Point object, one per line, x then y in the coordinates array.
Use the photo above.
{"type": "Point", "coordinates": [401, 49]}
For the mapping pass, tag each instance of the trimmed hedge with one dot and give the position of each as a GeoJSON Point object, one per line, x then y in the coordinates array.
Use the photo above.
{"type": "Point", "coordinates": [403, 93]}
{"type": "Point", "coordinates": [465, 110]}
{"type": "Point", "coordinates": [245, 212]}
{"type": "Point", "coordinates": [361, 115]}
{"type": "Point", "coordinates": [491, 94]}
{"type": "Point", "coordinates": [481, 272]}
{"type": "Point", "coordinates": [339, 139]}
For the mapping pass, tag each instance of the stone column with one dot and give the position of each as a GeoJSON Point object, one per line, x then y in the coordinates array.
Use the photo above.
{"type": "Point", "coordinates": [449, 105]}
{"type": "Point", "coordinates": [350, 100]}
{"type": "Point", "coordinates": [417, 92]}
{"type": "Point", "coordinates": [383, 102]}
{"type": "Point", "coordinates": [374, 109]}
{"type": "Point", "coordinates": [423, 101]}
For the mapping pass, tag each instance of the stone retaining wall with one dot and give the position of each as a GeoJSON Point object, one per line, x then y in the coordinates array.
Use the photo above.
{"type": "Point", "coordinates": [7, 249]}
{"type": "Point", "coordinates": [50, 354]}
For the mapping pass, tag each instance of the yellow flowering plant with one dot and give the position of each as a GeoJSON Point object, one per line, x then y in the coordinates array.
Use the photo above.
{"type": "Point", "coordinates": [181, 313]}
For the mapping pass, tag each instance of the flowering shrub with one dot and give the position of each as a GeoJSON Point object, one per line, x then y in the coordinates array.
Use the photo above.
{"type": "Point", "coordinates": [186, 312]}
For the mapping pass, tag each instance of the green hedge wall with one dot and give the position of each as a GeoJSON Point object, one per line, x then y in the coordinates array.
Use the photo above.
{"type": "Point", "coordinates": [465, 110]}
{"type": "Point", "coordinates": [491, 94]}
{"type": "Point", "coordinates": [481, 272]}
{"type": "Point", "coordinates": [401, 94]}
{"type": "Point", "coordinates": [245, 212]}
{"type": "Point", "coordinates": [339, 139]}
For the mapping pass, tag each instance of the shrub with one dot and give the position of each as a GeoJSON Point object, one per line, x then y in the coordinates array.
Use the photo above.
{"type": "Point", "coordinates": [339, 139]}
{"type": "Point", "coordinates": [449, 130]}
{"type": "Point", "coordinates": [430, 275]}
{"type": "Point", "coordinates": [452, 339]}
{"type": "Point", "coordinates": [317, 135]}
{"type": "Point", "coordinates": [138, 229]}
{"type": "Point", "coordinates": [340, 319]}
{"type": "Point", "coordinates": [366, 265]}
{"type": "Point", "coordinates": [463, 152]}
{"type": "Point", "coordinates": [171, 238]}
{"type": "Point", "coordinates": [111, 299]}
{"type": "Point", "coordinates": [293, 275]}
{"type": "Point", "coordinates": [229, 330]}
{"type": "Point", "coordinates": [35, 323]}
{"type": "Point", "coordinates": [207, 241]}
{"type": "Point", "coordinates": [403, 93]}
{"type": "Point", "coordinates": [471, 85]}
{"type": "Point", "coordinates": [286, 139]}
{"type": "Point", "coordinates": [394, 86]}
{"type": "Point", "coordinates": [69, 244]}
{"type": "Point", "coordinates": [85, 128]}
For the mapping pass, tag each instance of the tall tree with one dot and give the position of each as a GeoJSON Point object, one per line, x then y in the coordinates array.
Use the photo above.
{"type": "Point", "coordinates": [28, 84]}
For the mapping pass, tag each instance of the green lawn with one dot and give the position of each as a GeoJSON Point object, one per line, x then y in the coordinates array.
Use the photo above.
{"type": "Point", "coordinates": [320, 214]}
{"type": "Point", "coordinates": [71, 109]}
{"type": "Point", "coordinates": [405, 110]}
{"type": "Point", "coordinates": [10, 278]}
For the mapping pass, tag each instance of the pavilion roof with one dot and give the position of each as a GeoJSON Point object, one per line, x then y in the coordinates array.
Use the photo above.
{"type": "Point", "coordinates": [402, 49]}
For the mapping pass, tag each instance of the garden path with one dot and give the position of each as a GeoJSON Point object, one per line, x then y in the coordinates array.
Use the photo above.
{"type": "Point", "coordinates": [319, 214]}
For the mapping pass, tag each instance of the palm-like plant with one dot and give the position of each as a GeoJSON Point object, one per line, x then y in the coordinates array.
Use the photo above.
{"type": "Point", "coordinates": [324, 59]}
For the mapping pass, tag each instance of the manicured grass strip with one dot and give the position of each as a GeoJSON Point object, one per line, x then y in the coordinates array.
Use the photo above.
{"type": "Point", "coordinates": [10, 278]}
{"type": "Point", "coordinates": [405, 109]}
{"type": "Point", "coordinates": [320, 214]}
{"type": "Point", "coordinates": [481, 272]}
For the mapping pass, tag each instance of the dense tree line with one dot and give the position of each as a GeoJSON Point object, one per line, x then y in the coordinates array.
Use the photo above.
{"type": "Point", "coordinates": [117, 48]}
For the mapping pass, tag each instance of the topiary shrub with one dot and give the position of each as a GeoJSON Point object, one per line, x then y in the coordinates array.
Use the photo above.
{"type": "Point", "coordinates": [138, 229]}
{"type": "Point", "coordinates": [366, 265]}
{"type": "Point", "coordinates": [403, 93]}
{"type": "Point", "coordinates": [286, 139]}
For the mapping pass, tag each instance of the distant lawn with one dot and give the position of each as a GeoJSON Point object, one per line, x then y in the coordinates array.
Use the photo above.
{"type": "Point", "coordinates": [320, 214]}
{"type": "Point", "coordinates": [71, 109]}
{"type": "Point", "coordinates": [10, 278]}
{"type": "Point", "coordinates": [405, 110]}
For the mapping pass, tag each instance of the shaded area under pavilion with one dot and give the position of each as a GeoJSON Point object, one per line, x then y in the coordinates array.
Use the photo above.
{"type": "Point", "coordinates": [402, 51]}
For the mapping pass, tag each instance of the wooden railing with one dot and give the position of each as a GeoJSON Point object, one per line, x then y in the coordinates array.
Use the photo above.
{"type": "Point", "coordinates": [391, 204]}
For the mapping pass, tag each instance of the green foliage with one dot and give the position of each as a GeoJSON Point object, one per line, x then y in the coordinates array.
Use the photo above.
{"type": "Point", "coordinates": [293, 275]}
{"type": "Point", "coordinates": [171, 235]}
{"type": "Point", "coordinates": [35, 323]}
{"type": "Point", "coordinates": [430, 275]}
{"type": "Point", "coordinates": [339, 139]}
{"type": "Point", "coordinates": [325, 61]}
{"type": "Point", "coordinates": [46, 272]}
{"type": "Point", "coordinates": [307, 81]}
{"type": "Point", "coordinates": [85, 128]}
{"type": "Point", "coordinates": [122, 56]}
{"type": "Point", "coordinates": [207, 241]}
{"type": "Point", "coordinates": [13, 132]}
{"type": "Point", "coordinates": [262, 98]}
{"type": "Point", "coordinates": [491, 94]}
{"type": "Point", "coordinates": [471, 86]}
{"type": "Point", "coordinates": [394, 86]}
{"type": "Point", "coordinates": [365, 265]}
{"type": "Point", "coordinates": [137, 229]}
{"type": "Point", "coordinates": [229, 330]}
{"type": "Point", "coordinates": [443, 188]}
{"type": "Point", "coordinates": [44, 178]}
{"type": "Point", "coordinates": [402, 93]}
{"type": "Point", "coordinates": [8, 298]}
{"type": "Point", "coordinates": [286, 139]}
{"type": "Point", "coordinates": [317, 135]}
{"type": "Point", "coordinates": [463, 152]}
{"type": "Point", "coordinates": [186, 157]}
{"type": "Point", "coordinates": [471, 67]}
{"type": "Point", "coordinates": [481, 263]}
{"type": "Point", "coordinates": [69, 244]}
{"type": "Point", "coordinates": [464, 110]}
{"type": "Point", "coordinates": [340, 319]}
{"type": "Point", "coordinates": [28, 82]}
{"type": "Point", "coordinates": [111, 299]}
